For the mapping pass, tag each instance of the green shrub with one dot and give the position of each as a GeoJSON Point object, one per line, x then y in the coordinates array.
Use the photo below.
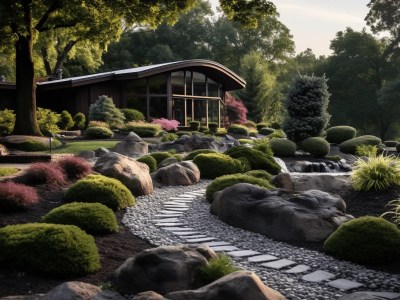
{"type": "Point", "coordinates": [193, 154]}
{"type": "Point", "coordinates": [221, 132]}
{"type": "Point", "coordinates": [266, 131]}
{"type": "Point", "coordinates": [251, 124]}
{"type": "Point", "coordinates": [132, 115]}
{"type": "Point", "coordinates": [49, 249]}
{"type": "Point", "coordinates": [350, 146]}
{"type": "Point", "coordinates": [365, 240]}
{"type": "Point", "coordinates": [366, 150]}
{"type": "Point", "coordinates": [378, 173]}
{"type": "Point", "coordinates": [47, 121]}
{"type": "Point", "coordinates": [79, 121]}
{"type": "Point", "coordinates": [257, 159]}
{"type": "Point", "coordinates": [98, 133]}
{"type": "Point", "coordinates": [31, 146]}
{"type": "Point", "coordinates": [263, 145]}
{"type": "Point", "coordinates": [150, 161]}
{"type": "Point", "coordinates": [7, 121]}
{"type": "Point", "coordinates": [143, 129]}
{"type": "Point", "coordinates": [261, 125]}
{"type": "Point", "coordinates": [160, 156]}
{"type": "Point", "coordinates": [65, 122]}
{"type": "Point", "coordinates": [169, 137]}
{"type": "Point", "coordinates": [213, 126]}
{"type": "Point", "coordinates": [203, 128]}
{"type": "Point", "coordinates": [212, 165]}
{"type": "Point", "coordinates": [180, 133]}
{"type": "Point", "coordinates": [275, 125]}
{"type": "Point", "coordinates": [104, 110]}
{"type": "Point", "coordinates": [316, 146]}
{"type": "Point", "coordinates": [245, 141]}
{"type": "Point", "coordinates": [278, 133]}
{"type": "Point", "coordinates": [178, 156]}
{"type": "Point", "coordinates": [194, 125]}
{"type": "Point", "coordinates": [260, 174]}
{"type": "Point", "coordinates": [340, 134]}
{"type": "Point", "coordinates": [216, 268]}
{"type": "Point", "coordinates": [6, 171]}
{"type": "Point", "coordinates": [253, 132]}
{"type": "Point", "coordinates": [97, 188]}
{"type": "Point", "coordinates": [238, 129]}
{"type": "Point", "coordinates": [391, 143]}
{"type": "Point", "coordinates": [282, 147]}
{"type": "Point", "coordinates": [95, 123]}
{"type": "Point", "coordinates": [94, 218]}
{"type": "Point", "coordinates": [222, 182]}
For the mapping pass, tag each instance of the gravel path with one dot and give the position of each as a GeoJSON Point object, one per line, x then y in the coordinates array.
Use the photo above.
{"type": "Point", "coordinates": [142, 221]}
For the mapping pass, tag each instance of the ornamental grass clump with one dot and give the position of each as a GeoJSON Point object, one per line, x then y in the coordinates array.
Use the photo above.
{"type": "Point", "coordinates": [169, 137]}
{"type": "Point", "coordinates": [94, 218]}
{"type": "Point", "coordinates": [394, 211]}
{"type": "Point", "coordinates": [365, 240]}
{"type": "Point", "coordinates": [212, 165]}
{"type": "Point", "coordinates": [16, 197]}
{"type": "Point", "coordinates": [377, 173]}
{"type": "Point", "coordinates": [49, 249]}
{"type": "Point", "coordinates": [366, 150]}
{"type": "Point", "coordinates": [74, 167]}
{"type": "Point", "coordinates": [43, 173]}
{"type": "Point", "coordinates": [98, 188]}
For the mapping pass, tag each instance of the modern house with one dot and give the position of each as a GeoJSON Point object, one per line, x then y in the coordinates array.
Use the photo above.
{"type": "Point", "coordinates": [190, 90]}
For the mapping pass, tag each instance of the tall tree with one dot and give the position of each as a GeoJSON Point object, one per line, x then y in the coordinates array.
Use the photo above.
{"type": "Point", "coordinates": [23, 21]}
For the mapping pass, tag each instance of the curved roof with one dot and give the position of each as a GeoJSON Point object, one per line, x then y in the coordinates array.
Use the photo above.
{"type": "Point", "coordinates": [219, 73]}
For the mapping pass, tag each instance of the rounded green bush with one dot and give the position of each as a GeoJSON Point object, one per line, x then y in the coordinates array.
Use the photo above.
{"type": "Point", "coordinates": [94, 218]}
{"type": "Point", "coordinates": [169, 137]}
{"type": "Point", "coordinates": [222, 182]}
{"type": "Point", "coordinates": [391, 143]}
{"type": "Point", "coordinates": [213, 127]}
{"type": "Point", "coordinates": [257, 159]}
{"type": "Point", "coordinates": [143, 129]}
{"type": "Point", "coordinates": [316, 146]}
{"type": "Point", "coordinates": [260, 174]}
{"type": "Point", "coordinates": [97, 188]}
{"type": "Point", "coordinates": [278, 133]}
{"type": "Point", "coordinates": [194, 125]}
{"type": "Point", "coordinates": [150, 161]}
{"type": "Point", "coordinates": [365, 240]}
{"type": "Point", "coordinates": [261, 125]}
{"type": "Point", "coordinates": [131, 114]}
{"type": "Point", "coordinates": [212, 165]}
{"type": "Point", "coordinates": [160, 156]}
{"type": "Point", "coordinates": [181, 133]}
{"type": "Point", "coordinates": [98, 133]}
{"type": "Point", "coordinates": [266, 130]}
{"type": "Point", "coordinates": [282, 147]}
{"type": "Point", "coordinates": [238, 129]}
{"type": "Point", "coordinates": [350, 146]}
{"type": "Point", "coordinates": [79, 121]}
{"type": "Point", "coordinates": [49, 249]}
{"type": "Point", "coordinates": [340, 134]}
{"type": "Point", "coordinates": [194, 153]}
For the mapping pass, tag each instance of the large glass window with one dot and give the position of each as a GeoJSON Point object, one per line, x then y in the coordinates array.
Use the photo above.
{"type": "Point", "coordinates": [179, 111]}
{"type": "Point", "coordinates": [213, 111]}
{"type": "Point", "coordinates": [138, 102]}
{"type": "Point", "coordinates": [158, 84]}
{"type": "Point", "coordinates": [178, 82]}
{"type": "Point", "coordinates": [189, 110]}
{"type": "Point", "coordinates": [212, 88]}
{"type": "Point", "coordinates": [188, 83]}
{"type": "Point", "coordinates": [158, 107]}
{"type": "Point", "coordinates": [200, 111]}
{"type": "Point", "coordinates": [199, 84]}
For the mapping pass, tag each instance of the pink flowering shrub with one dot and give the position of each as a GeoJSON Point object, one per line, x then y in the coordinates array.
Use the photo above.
{"type": "Point", "coordinates": [235, 111]}
{"type": "Point", "coordinates": [74, 167]}
{"type": "Point", "coordinates": [16, 197]}
{"type": "Point", "coordinates": [43, 173]}
{"type": "Point", "coordinates": [167, 125]}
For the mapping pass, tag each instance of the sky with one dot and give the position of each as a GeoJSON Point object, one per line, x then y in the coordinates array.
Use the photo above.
{"type": "Point", "coordinates": [314, 23]}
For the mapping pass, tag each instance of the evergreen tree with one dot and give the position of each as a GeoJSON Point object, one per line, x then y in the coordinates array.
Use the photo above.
{"type": "Point", "coordinates": [306, 105]}
{"type": "Point", "coordinates": [66, 121]}
{"type": "Point", "coordinates": [104, 110]}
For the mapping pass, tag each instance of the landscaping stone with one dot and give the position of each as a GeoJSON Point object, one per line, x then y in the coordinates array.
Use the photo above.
{"type": "Point", "coordinates": [176, 209]}
{"type": "Point", "coordinates": [168, 215]}
{"type": "Point", "coordinates": [133, 174]}
{"type": "Point", "coordinates": [179, 173]}
{"type": "Point", "coordinates": [149, 295]}
{"type": "Point", "coordinates": [132, 146]}
{"type": "Point", "coordinates": [262, 258]}
{"type": "Point", "coordinates": [211, 244]}
{"type": "Point", "coordinates": [169, 212]}
{"type": "Point", "coordinates": [345, 284]}
{"type": "Point", "coordinates": [280, 214]}
{"type": "Point", "coordinates": [87, 154]}
{"type": "Point", "coordinates": [170, 224]}
{"type": "Point", "coordinates": [279, 264]}
{"type": "Point", "coordinates": [201, 240]}
{"type": "Point", "coordinates": [370, 296]}
{"type": "Point", "coordinates": [243, 253]}
{"type": "Point", "coordinates": [298, 269]}
{"type": "Point", "coordinates": [183, 233]}
{"type": "Point", "coordinates": [164, 269]}
{"type": "Point", "coordinates": [224, 248]}
{"type": "Point", "coordinates": [318, 276]}
{"type": "Point", "coordinates": [168, 161]}
{"type": "Point", "coordinates": [23, 297]}
{"type": "Point", "coordinates": [179, 228]}
{"type": "Point", "coordinates": [166, 220]}
{"type": "Point", "coordinates": [3, 150]}
{"type": "Point", "coordinates": [242, 285]}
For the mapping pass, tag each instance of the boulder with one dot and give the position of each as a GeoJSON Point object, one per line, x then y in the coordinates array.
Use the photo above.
{"type": "Point", "coordinates": [281, 214]}
{"type": "Point", "coordinates": [240, 285]}
{"type": "Point", "coordinates": [132, 146]}
{"type": "Point", "coordinates": [150, 295]}
{"type": "Point", "coordinates": [164, 269]}
{"type": "Point", "coordinates": [3, 150]}
{"type": "Point", "coordinates": [168, 161]}
{"type": "Point", "coordinates": [87, 154]}
{"type": "Point", "coordinates": [331, 183]}
{"type": "Point", "coordinates": [101, 151]}
{"type": "Point", "coordinates": [180, 173]}
{"type": "Point", "coordinates": [135, 175]}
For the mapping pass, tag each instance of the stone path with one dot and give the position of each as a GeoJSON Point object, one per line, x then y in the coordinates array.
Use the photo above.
{"type": "Point", "coordinates": [170, 219]}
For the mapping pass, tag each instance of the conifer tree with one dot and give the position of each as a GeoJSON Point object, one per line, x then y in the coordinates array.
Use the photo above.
{"type": "Point", "coordinates": [104, 110]}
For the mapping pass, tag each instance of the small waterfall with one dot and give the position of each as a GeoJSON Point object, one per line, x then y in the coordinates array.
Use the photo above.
{"type": "Point", "coordinates": [282, 164]}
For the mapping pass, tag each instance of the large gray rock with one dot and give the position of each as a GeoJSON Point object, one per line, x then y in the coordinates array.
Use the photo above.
{"type": "Point", "coordinates": [135, 175]}
{"type": "Point", "coordinates": [149, 295]}
{"type": "Point", "coordinates": [240, 285]}
{"type": "Point", "coordinates": [164, 269]}
{"type": "Point", "coordinates": [132, 146]}
{"type": "Point", "coordinates": [180, 173]}
{"type": "Point", "coordinates": [281, 214]}
{"type": "Point", "coordinates": [331, 183]}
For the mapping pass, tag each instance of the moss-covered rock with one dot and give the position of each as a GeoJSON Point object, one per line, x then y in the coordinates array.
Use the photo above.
{"type": "Point", "coordinates": [282, 147]}
{"type": "Point", "coordinates": [212, 165]}
{"type": "Point", "coordinates": [339, 134]}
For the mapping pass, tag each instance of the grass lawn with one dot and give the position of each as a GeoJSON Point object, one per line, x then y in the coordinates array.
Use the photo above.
{"type": "Point", "coordinates": [74, 147]}
{"type": "Point", "coordinates": [5, 171]}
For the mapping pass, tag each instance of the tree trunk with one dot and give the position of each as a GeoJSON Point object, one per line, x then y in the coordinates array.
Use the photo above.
{"type": "Point", "coordinates": [25, 123]}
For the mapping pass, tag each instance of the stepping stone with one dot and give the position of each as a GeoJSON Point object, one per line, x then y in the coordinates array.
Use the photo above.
{"type": "Point", "coordinates": [243, 253]}
{"type": "Point", "coordinates": [186, 196]}
{"type": "Point", "coordinates": [169, 212]}
{"type": "Point", "coordinates": [212, 244]}
{"type": "Point", "coordinates": [262, 258]}
{"type": "Point", "coordinates": [179, 228]}
{"type": "Point", "coordinates": [344, 284]}
{"type": "Point", "coordinates": [175, 206]}
{"type": "Point", "coordinates": [174, 203]}
{"type": "Point", "coordinates": [177, 215]}
{"type": "Point", "coordinates": [278, 264]}
{"type": "Point", "coordinates": [201, 240]}
{"type": "Point", "coordinates": [196, 193]}
{"type": "Point", "coordinates": [198, 236]}
{"type": "Point", "coordinates": [318, 276]}
{"type": "Point", "coordinates": [174, 209]}
{"type": "Point", "coordinates": [169, 220]}
{"type": "Point", "coordinates": [384, 295]}
{"type": "Point", "coordinates": [298, 269]}
{"type": "Point", "coordinates": [224, 248]}
{"type": "Point", "coordinates": [170, 224]}
{"type": "Point", "coordinates": [181, 199]}
{"type": "Point", "coordinates": [183, 233]}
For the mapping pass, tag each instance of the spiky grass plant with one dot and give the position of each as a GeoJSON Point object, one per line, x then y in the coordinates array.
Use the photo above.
{"type": "Point", "coordinates": [394, 211]}
{"type": "Point", "coordinates": [378, 173]}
